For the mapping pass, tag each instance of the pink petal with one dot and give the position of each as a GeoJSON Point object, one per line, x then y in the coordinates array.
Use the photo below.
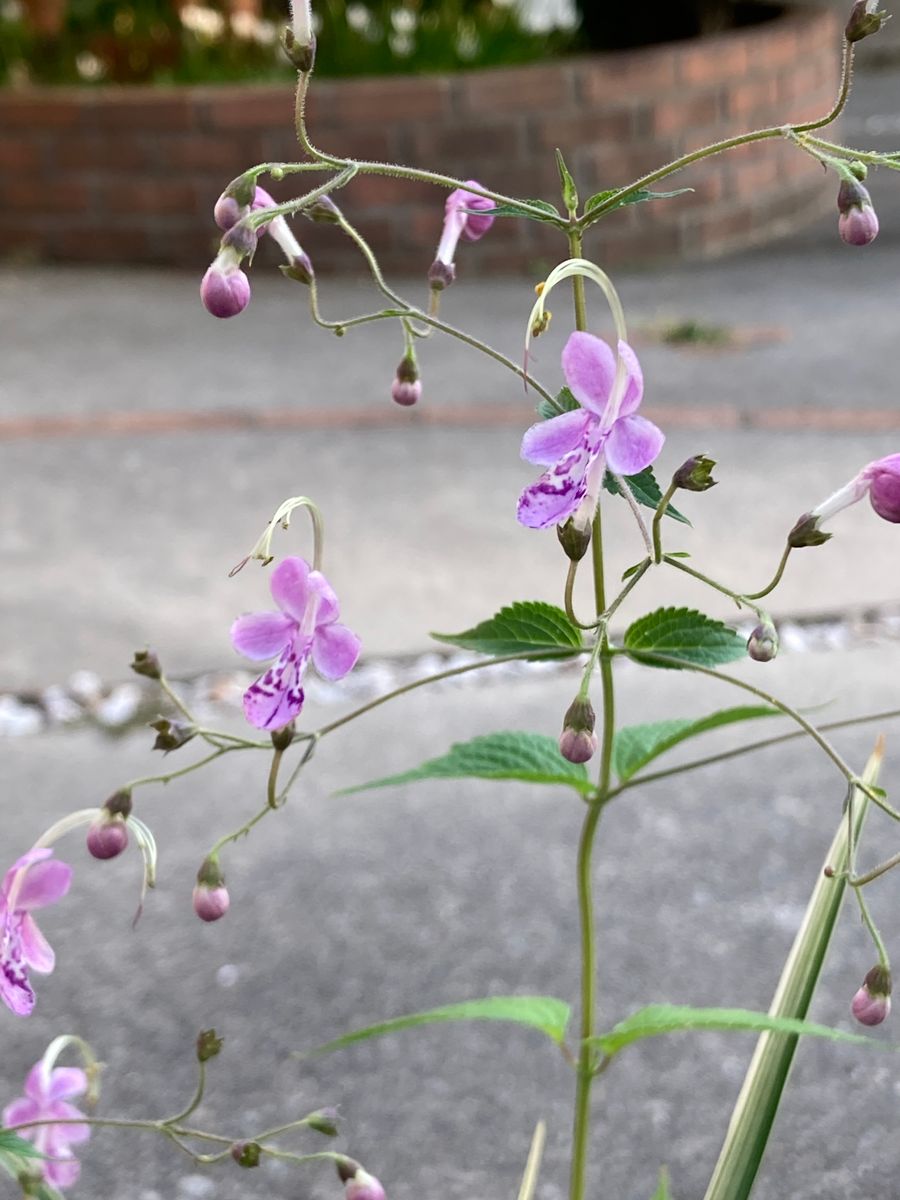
{"type": "Point", "coordinates": [44, 883]}
{"type": "Point", "coordinates": [67, 1112]}
{"type": "Point", "coordinates": [15, 990]}
{"type": "Point", "coordinates": [277, 697]}
{"type": "Point", "coordinates": [335, 651]}
{"type": "Point", "coordinates": [589, 366]}
{"type": "Point", "coordinates": [36, 1084]}
{"type": "Point", "coordinates": [320, 590]}
{"type": "Point", "coordinates": [61, 1174]}
{"type": "Point", "coordinates": [289, 584]}
{"type": "Point", "coordinates": [21, 1110]}
{"type": "Point", "coordinates": [33, 856]}
{"type": "Point", "coordinates": [66, 1082]}
{"type": "Point", "coordinates": [633, 443]}
{"type": "Point", "coordinates": [634, 388]}
{"type": "Point", "coordinates": [559, 491]}
{"type": "Point", "coordinates": [36, 950]}
{"type": "Point", "coordinates": [547, 441]}
{"type": "Point", "coordinates": [262, 635]}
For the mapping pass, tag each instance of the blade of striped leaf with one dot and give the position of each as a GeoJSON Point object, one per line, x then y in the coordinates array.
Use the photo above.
{"type": "Point", "coordinates": [544, 1013]}
{"type": "Point", "coordinates": [662, 1192]}
{"type": "Point", "coordinates": [533, 1164]}
{"type": "Point", "coordinates": [657, 1019]}
{"type": "Point", "coordinates": [637, 745]}
{"type": "Point", "coordinates": [757, 1104]}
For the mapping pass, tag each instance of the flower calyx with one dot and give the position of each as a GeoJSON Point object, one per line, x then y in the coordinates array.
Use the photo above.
{"type": "Point", "coordinates": [695, 475]}
{"type": "Point", "coordinates": [172, 735]}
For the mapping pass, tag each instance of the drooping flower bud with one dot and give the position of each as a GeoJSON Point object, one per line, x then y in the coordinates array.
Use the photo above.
{"type": "Point", "coordinates": [578, 742]}
{"type": "Point", "coordinates": [872, 1003]}
{"type": "Point", "coordinates": [762, 645]}
{"type": "Point", "coordinates": [884, 487]}
{"type": "Point", "coordinates": [858, 221]}
{"type": "Point", "coordinates": [209, 1045]}
{"type": "Point", "coordinates": [224, 290]}
{"type": "Point", "coordinates": [146, 663]}
{"type": "Point", "coordinates": [246, 1154]}
{"type": "Point", "coordinates": [806, 532]}
{"type": "Point", "coordinates": [299, 267]}
{"type": "Point", "coordinates": [211, 899]}
{"type": "Point", "coordinates": [324, 211]}
{"type": "Point", "coordinates": [227, 211]}
{"type": "Point", "coordinates": [695, 475]}
{"type": "Point", "coordinates": [171, 735]}
{"type": "Point", "coordinates": [406, 389]}
{"type": "Point", "coordinates": [324, 1121]}
{"type": "Point", "coordinates": [358, 1183]}
{"type": "Point", "coordinates": [865, 19]}
{"type": "Point", "coordinates": [107, 837]}
{"type": "Point", "coordinates": [468, 215]}
{"type": "Point", "coordinates": [574, 540]}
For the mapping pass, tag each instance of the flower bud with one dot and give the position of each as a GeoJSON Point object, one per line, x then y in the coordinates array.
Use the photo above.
{"type": "Point", "coordinates": [872, 1003]}
{"type": "Point", "coordinates": [246, 1154]}
{"type": "Point", "coordinates": [695, 475]}
{"type": "Point", "coordinates": [211, 899]}
{"type": "Point", "coordinates": [578, 742]}
{"type": "Point", "coordinates": [358, 1184]}
{"type": "Point", "coordinates": [406, 388]}
{"type": "Point", "coordinates": [762, 645]}
{"type": "Point", "coordinates": [225, 293]}
{"type": "Point", "coordinates": [573, 540]}
{"type": "Point", "coordinates": [227, 211]}
{"type": "Point", "coordinates": [864, 20]}
{"type": "Point", "coordinates": [806, 532]}
{"type": "Point", "coordinates": [300, 268]}
{"type": "Point", "coordinates": [301, 54]}
{"type": "Point", "coordinates": [884, 487]}
{"type": "Point", "coordinates": [858, 221]}
{"type": "Point", "coordinates": [441, 275]}
{"type": "Point", "coordinates": [171, 735]}
{"type": "Point", "coordinates": [107, 837]}
{"type": "Point", "coordinates": [209, 1044]}
{"type": "Point", "coordinates": [146, 663]}
{"type": "Point", "coordinates": [324, 1121]}
{"type": "Point", "coordinates": [324, 211]}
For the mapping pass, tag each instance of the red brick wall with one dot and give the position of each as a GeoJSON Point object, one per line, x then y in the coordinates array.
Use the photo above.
{"type": "Point", "coordinates": [130, 175]}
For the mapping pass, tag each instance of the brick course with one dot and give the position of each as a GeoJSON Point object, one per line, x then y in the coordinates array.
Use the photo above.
{"type": "Point", "coordinates": [130, 175]}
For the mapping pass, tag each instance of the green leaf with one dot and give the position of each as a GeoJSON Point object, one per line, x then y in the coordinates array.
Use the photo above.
{"type": "Point", "coordinates": [637, 745]}
{"type": "Point", "coordinates": [637, 197]}
{"type": "Point", "coordinates": [516, 210]}
{"type": "Point", "coordinates": [11, 1143]}
{"type": "Point", "coordinates": [528, 757]}
{"type": "Point", "coordinates": [525, 627]}
{"type": "Point", "coordinates": [544, 1013]}
{"type": "Point", "coordinates": [662, 1192]}
{"type": "Point", "coordinates": [657, 1019]}
{"type": "Point", "coordinates": [569, 191]}
{"type": "Point", "coordinates": [645, 490]}
{"type": "Point", "coordinates": [683, 634]}
{"type": "Point", "coordinates": [564, 402]}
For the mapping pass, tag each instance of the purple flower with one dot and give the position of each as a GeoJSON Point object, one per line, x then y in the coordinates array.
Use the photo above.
{"type": "Point", "coordinates": [305, 628]}
{"type": "Point", "coordinates": [459, 223]}
{"type": "Point", "coordinates": [225, 289]}
{"type": "Point", "coordinates": [578, 446]}
{"type": "Point", "coordinates": [880, 480]}
{"type": "Point", "coordinates": [872, 1003]}
{"type": "Point", "coordinates": [858, 221]}
{"type": "Point", "coordinates": [47, 1093]}
{"type": "Point", "coordinates": [31, 882]}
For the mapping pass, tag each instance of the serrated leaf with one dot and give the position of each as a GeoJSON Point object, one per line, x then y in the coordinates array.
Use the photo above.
{"type": "Point", "coordinates": [683, 634]}
{"type": "Point", "coordinates": [525, 627]}
{"type": "Point", "coordinates": [645, 490]}
{"type": "Point", "coordinates": [544, 1013]}
{"type": "Point", "coordinates": [528, 757]}
{"type": "Point", "coordinates": [563, 403]}
{"type": "Point", "coordinates": [658, 1019]}
{"type": "Point", "coordinates": [516, 210]}
{"type": "Point", "coordinates": [11, 1143]}
{"type": "Point", "coordinates": [662, 1191]}
{"type": "Point", "coordinates": [637, 745]}
{"type": "Point", "coordinates": [637, 197]}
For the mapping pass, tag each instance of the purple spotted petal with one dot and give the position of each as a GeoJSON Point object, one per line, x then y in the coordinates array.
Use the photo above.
{"type": "Point", "coordinates": [547, 441]}
{"type": "Point", "coordinates": [326, 601]}
{"type": "Point", "coordinates": [277, 697]}
{"type": "Point", "coordinates": [289, 584]}
{"type": "Point", "coordinates": [335, 651]}
{"type": "Point", "coordinates": [44, 883]}
{"type": "Point", "coordinates": [36, 950]}
{"type": "Point", "coordinates": [559, 491]}
{"type": "Point", "coordinates": [633, 443]}
{"type": "Point", "coordinates": [15, 990]}
{"type": "Point", "coordinates": [262, 635]}
{"type": "Point", "coordinates": [589, 366]}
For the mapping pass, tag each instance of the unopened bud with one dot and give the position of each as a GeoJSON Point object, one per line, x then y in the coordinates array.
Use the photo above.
{"type": "Point", "coordinates": [211, 899]}
{"type": "Point", "coordinates": [146, 663]}
{"type": "Point", "coordinates": [573, 540]}
{"type": "Point", "coordinates": [324, 211]}
{"type": "Point", "coordinates": [578, 742]}
{"type": "Point", "coordinates": [441, 275]}
{"type": "Point", "coordinates": [762, 645]}
{"type": "Point", "coordinates": [406, 388]}
{"type": "Point", "coordinates": [858, 169]}
{"type": "Point", "coordinates": [363, 1186]}
{"type": "Point", "coordinates": [224, 293]}
{"type": "Point", "coordinates": [107, 837]}
{"type": "Point", "coordinates": [324, 1121]}
{"type": "Point", "coordinates": [209, 1044]}
{"type": "Point", "coordinates": [807, 533]}
{"type": "Point", "coordinates": [872, 1003]}
{"type": "Point", "coordinates": [240, 238]}
{"type": "Point", "coordinates": [865, 19]}
{"type": "Point", "coordinates": [227, 211]}
{"type": "Point", "coordinates": [858, 221]}
{"type": "Point", "coordinates": [301, 55]}
{"type": "Point", "coordinates": [246, 1154]}
{"type": "Point", "coordinates": [695, 475]}
{"type": "Point", "coordinates": [171, 735]}
{"type": "Point", "coordinates": [300, 268]}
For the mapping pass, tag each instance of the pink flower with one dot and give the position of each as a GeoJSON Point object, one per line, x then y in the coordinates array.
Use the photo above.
{"type": "Point", "coordinates": [578, 446]}
{"type": "Point", "coordinates": [32, 882]}
{"type": "Point", "coordinates": [305, 628]}
{"type": "Point", "coordinates": [459, 223]}
{"type": "Point", "coordinates": [880, 480]}
{"type": "Point", "coordinates": [47, 1093]}
{"type": "Point", "coordinates": [872, 1003]}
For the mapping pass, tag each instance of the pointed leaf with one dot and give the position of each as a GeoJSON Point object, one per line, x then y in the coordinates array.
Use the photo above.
{"type": "Point", "coordinates": [645, 490]}
{"type": "Point", "coordinates": [683, 634]}
{"type": "Point", "coordinates": [637, 197]}
{"type": "Point", "coordinates": [516, 210]}
{"type": "Point", "coordinates": [544, 1013]}
{"type": "Point", "coordinates": [528, 757]}
{"type": "Point", "coordinates": [527, 626]}
{"type": "Point", "coordinates": [564, 402]}
{"type": "Point", "coordinates": [11, 1143]}
{"type": "Point", "coordinates": [657, 1019]}
{"type": "Point", "coordinates": [637, 745]}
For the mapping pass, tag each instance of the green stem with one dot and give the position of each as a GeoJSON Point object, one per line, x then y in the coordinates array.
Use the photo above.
{"type": "Point", "coordinates": [657, 518]}
{"type": "Point", "coordinates": [195, 1099]}
{"type": "Point", "coordinates": [272, 782]}
{"type": "Point", "coordinates": [194, 766]}
{"type": "Point", "coordinates": [872, 928]}
{"type": "Point", "coordinates": [737, 597]}
{"type": "Point", "coordinates": [776, 578]}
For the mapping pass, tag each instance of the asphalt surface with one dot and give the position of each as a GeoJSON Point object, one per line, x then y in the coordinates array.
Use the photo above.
{"type": "Point", "coordinates": [119, 530]}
